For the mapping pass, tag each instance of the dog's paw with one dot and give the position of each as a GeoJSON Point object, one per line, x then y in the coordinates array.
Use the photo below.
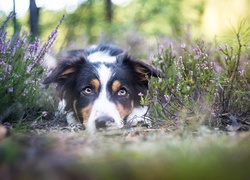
{"type": "Point", "coordinates": [140, 121]}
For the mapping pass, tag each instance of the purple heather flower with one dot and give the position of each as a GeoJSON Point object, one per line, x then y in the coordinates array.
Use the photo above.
{"type": "Point", "coordinates": [161, 48]}
{"type": "Point", "coordinates": [4, 26]}
{"type": "Point", "coordinates": [167, 97]}
{"type": "Point", "coordinates": [183, 45]}
{"type": "Point", "coordinates": [196, 51]}
{"type": "Point", "coordinates": [191, 73]}
{"type": "Point", "coordinates": [17, 44]}
{"type": "Point", "coordinates": [27, 55]}
{"type": "Point", "coordinates": [226, 46]}
{"type": "Point", "coordinates": [34, 124]}
{"type": "Point", "coordinates": [197, 66]}
{"type": "Point", "coordinates": [220, 48]}
{"type": "Point", "coordinates": [37, 43]}
{"type": "Point", "coordinates": [4, 35]}
{"type": "Point", "coordinates": [25, 92]}
{"type": "Point", "coordinates": [51, 40]}
{"type": "Point", "coordinates": [41, 61]}
{"type": "Point", "coordinates": [8, 68]}
{"type": "Point", "coordinates": [4, 45]}
{"type": "Point", "coordinates": [180, 59]}
{"type": "Point", "coordinates": [152, 59]}
{"type": "Point", "coordinates": [176, 63]}
{"type": "Point", "coordinates": [10, 89]}
{"type": "Point", "coordinates": [3, 78]}
{"type": "Point", "coordinates": [52, 34]}
{"type": "Point", "coordinates": [212, 65]}
{"type": "Point", "coordinates": [179, 75]}
{"type": "Point", "coordinates": [140, 94]}
{"type": "Point", "coordinates": [34, 47]}
{"type": "Point", "coordinates": [242, 72]}
{"type": "Point", "coordinates": [213, 114]}
{"type": "Point", "coordinates": [32, 82]}
{"type": "Point", "coordinates": [29, 68]}
{"type": "Point", "coordinates": [41, 53]}
{"type": "Point", "coordinates": [17, 76]}
{"type": "Point", "coordinates": [44, 113]}
{"type": "Point", "coordinates": [7, 45]}
{"type": "Point", "coordinates": [1, 44]}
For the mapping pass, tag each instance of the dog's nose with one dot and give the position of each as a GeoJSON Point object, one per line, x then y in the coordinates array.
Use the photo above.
{"type": "Point", "coordinates": [103, 121]}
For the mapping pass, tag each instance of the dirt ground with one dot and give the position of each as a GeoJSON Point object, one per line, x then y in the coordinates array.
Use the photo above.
{"type": "Point", "coordinates": [53, 150]}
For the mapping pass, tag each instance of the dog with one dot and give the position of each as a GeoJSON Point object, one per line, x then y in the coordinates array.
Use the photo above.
{"type": "Point", "coordinates": [102, 86]}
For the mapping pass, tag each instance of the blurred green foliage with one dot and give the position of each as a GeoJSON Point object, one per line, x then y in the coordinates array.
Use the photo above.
{"type": "Point", "coordinates": [151, 19]}
{"type": "Point", "coordinates": [22, 71]}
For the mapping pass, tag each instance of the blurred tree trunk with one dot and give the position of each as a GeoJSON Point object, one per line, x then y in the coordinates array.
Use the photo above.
{"type": "Point", "coordinates": [90, 21]}
{"type": "Point", "coordinates": [16, 25]}
{"type": "Point", "coordinates": [34, 17]}
{"type": "Point", "coordinates": [109, 11]}
{"type": "Point", "coordinates": [14, 19]}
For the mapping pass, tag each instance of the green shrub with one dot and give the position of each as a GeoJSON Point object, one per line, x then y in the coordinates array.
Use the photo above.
{"type": "Point", "coordinates": [21, 72]}
{"type": "Point", "coordinates": [233, 93]}
{"type": "Point", "coordinates": [202, 82]}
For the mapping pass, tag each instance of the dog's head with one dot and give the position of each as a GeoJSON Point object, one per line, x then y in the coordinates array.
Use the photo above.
{"type": "Point", "coordinates": [102, 85]}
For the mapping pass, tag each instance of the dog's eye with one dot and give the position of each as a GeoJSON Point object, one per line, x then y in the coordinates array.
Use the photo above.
{"type": "Point", "coordinates": [87, 90]}
{"type": "Point", "coordinates": [122, 92]}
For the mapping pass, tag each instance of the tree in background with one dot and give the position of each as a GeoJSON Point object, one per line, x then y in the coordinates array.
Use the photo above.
{"type": "Point", "coordinates": [14, 18]}
{"type": "Point", "coordinates": [96, 20]}
{"type": "Point", "coordinates": [109, 11]}
{"type": "Point", "coordinates": [34, 18]}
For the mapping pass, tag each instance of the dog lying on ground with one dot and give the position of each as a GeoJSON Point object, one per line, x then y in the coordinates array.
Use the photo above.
{"type": "Point", "coordinates": [102, 86]}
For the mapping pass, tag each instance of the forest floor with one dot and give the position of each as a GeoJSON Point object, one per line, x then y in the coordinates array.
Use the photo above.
{"type": "Point", "coordinates": [53, 150]}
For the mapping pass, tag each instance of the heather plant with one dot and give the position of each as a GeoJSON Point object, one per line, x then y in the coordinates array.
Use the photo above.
{"type": "Point", "coordinates": [202, 82]}
{"type": "Point", "coordinates": [233, 93]}
{"type": "Point", "coordinates": [21, 72]}
{"type": "Point", "coordinates": [188, 79]}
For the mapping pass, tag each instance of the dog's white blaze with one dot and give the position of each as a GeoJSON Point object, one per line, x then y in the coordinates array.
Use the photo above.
{"type": "Point", "coordinates": [102, 57]}
{"type": "Point", "coordinates": [102, 106]}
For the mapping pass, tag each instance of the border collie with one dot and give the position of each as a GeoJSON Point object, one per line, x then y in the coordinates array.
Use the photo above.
{"type": "Point", "coordinates": [102, 86]}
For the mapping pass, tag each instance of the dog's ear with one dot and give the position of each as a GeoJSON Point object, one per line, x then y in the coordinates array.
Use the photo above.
{"type": "Point", "coordinates": [146, 69]}
{"type": "Point", "coordinates": [143, 69]}
{"type": "Point", "coordinates": [64, 69]}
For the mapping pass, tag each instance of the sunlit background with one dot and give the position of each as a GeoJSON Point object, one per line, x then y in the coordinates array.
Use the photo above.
{"type": "Point", "coordinates": [153, 19]}
{"type": "Point", "coordinates": [53, 5]}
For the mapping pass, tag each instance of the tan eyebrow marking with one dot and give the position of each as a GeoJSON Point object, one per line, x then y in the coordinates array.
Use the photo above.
{"type": "Point", "coordinates": [95, 83]}
{"type": "Point", "coordinates": [116, 86]}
